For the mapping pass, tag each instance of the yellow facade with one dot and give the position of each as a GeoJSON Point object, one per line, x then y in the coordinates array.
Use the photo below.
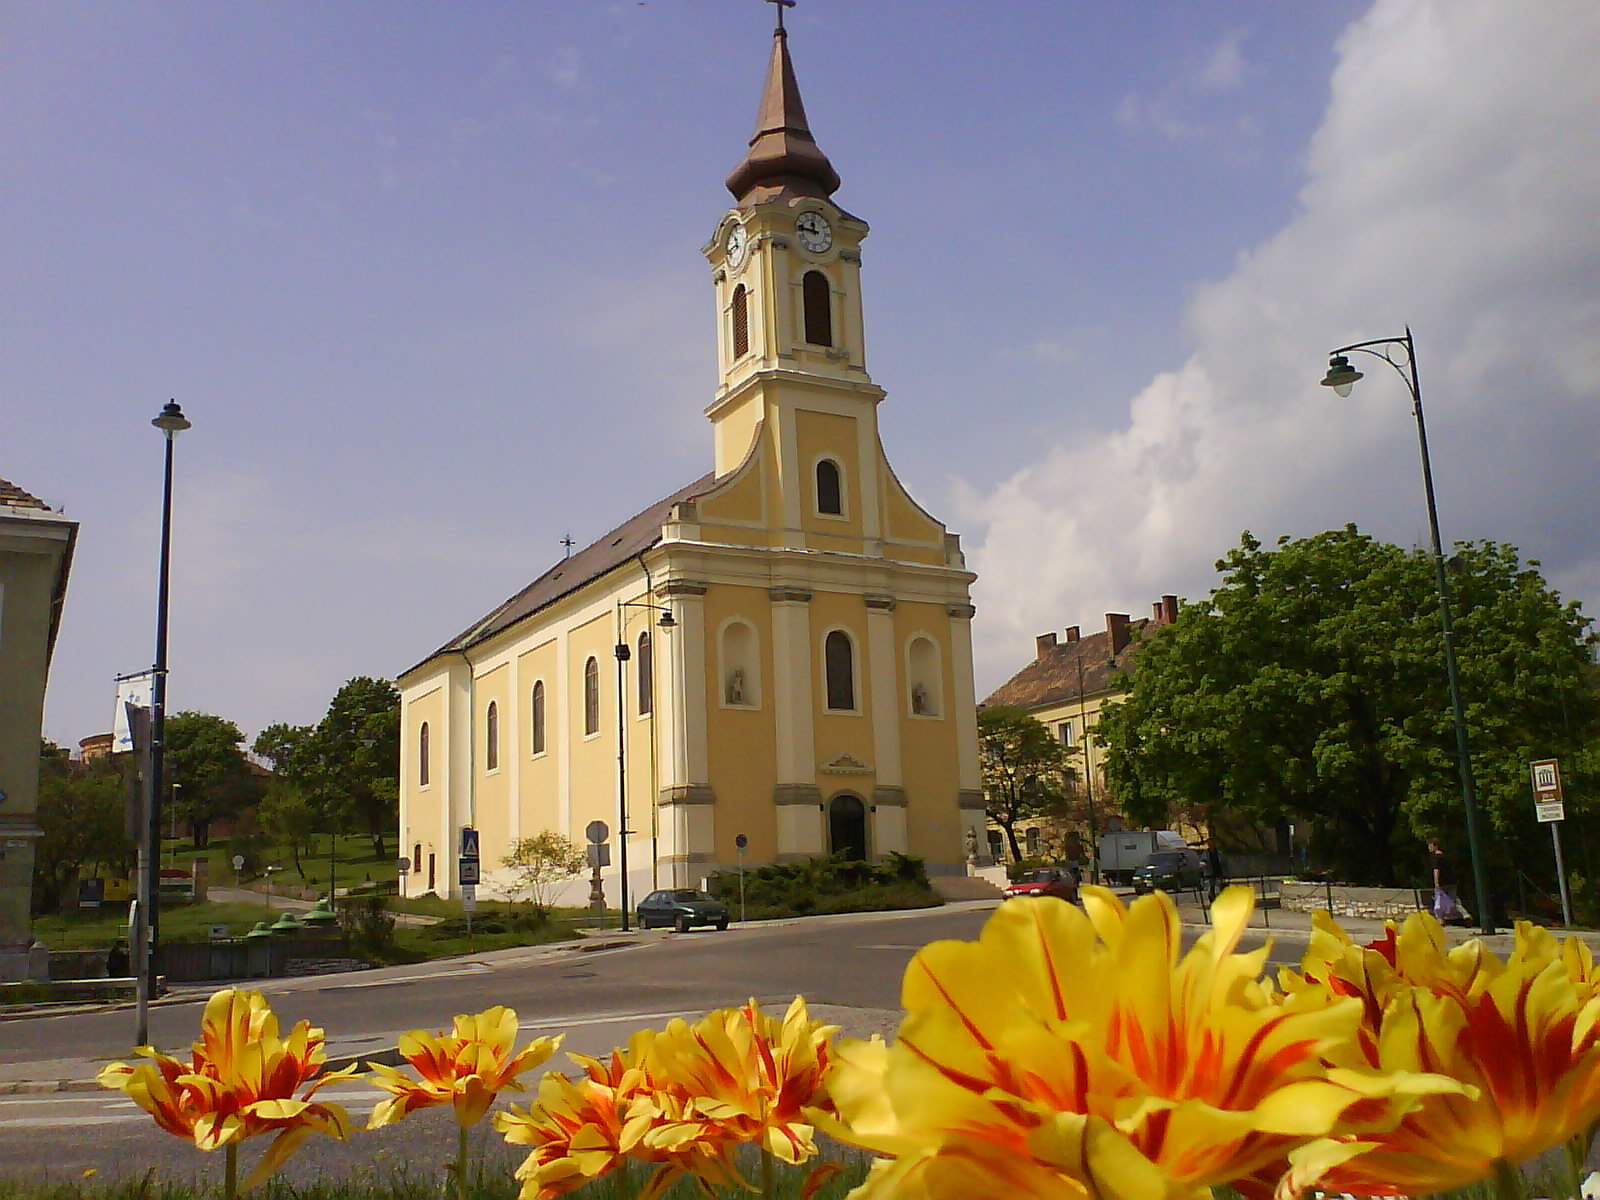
{"type": "Point", "coordinates": [812, 688]}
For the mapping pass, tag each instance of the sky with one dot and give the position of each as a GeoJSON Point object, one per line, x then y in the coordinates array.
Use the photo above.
{"type": "Point", "coordinates": [427, 280]}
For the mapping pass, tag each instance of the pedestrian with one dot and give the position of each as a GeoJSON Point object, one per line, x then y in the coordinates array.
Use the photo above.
{"type": "Point", "coordinates": [1214, 868]}
{"type": "Point", "coordinates": [1446, 905]}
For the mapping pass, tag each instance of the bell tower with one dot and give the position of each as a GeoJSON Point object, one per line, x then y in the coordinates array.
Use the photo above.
{"type": "Point", "coordinates": [786, 262]}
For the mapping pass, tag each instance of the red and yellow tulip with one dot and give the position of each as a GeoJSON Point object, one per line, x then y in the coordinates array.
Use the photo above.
{"type": "Point", "coordinates": [1519, 1036]}
{"type": "Point", "coordinates": [465, 1069]}
{"type": "Point", "coordinates": [240, 1082]}
{"type": "Point", "coordinates": [1072, 1052]}
{"type": "Point", "coordinates": [682, 1098]}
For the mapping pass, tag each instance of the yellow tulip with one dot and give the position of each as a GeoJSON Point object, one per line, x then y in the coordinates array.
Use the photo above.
{"type": "Point", "coordinates": [240, 1082]}
{"type": "Point", "coordinates": [466, 1069]}
{"type": "Point", "coordinates": [1519, 1036]}
{"type": "Point", "coordinates": [1072, 1053]}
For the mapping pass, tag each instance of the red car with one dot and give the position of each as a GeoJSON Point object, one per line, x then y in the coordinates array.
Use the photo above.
{"type": "Point", "coordinates": [1045, 881]}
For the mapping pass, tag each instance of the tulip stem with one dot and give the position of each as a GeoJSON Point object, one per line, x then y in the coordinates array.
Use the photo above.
{"type": "Point", "coordinates": [461, 1162]}
{"type": "Point", "coordinates": [1508, 1181]}
{"type": "Point", "coordinates": [230, 1179]}
{"type": "Point", "coordinates": [766, 1171]}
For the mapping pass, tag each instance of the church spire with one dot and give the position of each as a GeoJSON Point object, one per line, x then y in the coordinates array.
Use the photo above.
{"type": "Point", "coordinates": [783, 159]}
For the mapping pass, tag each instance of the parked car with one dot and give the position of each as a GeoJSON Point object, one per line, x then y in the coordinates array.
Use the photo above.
{"type": "Point", "coordinates": [1045, 881]}
{"type": "Point", "coordinates": [1169, 871]}
{"type": "Point", "coordinates": [682, 908]}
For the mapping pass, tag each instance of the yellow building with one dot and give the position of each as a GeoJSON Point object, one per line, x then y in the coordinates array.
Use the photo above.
{"type": "Point", "coordinates": [774, 659]}
{"type": "Point", "coordinates": [35, 558]}
{"type": "Point", "coordinates": [1064, 687]}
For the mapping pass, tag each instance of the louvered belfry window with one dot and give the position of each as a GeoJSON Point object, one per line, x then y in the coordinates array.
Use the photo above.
{"type": "Point", "coordinates": [741, 322]}
{"type": "Point", "coordinates": [818, 308]}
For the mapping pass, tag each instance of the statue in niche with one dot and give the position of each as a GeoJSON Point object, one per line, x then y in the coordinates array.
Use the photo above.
{"type": "Point", "coordinates": [736, 686]}
{"type": "Point", "coordinates": [919, 700]}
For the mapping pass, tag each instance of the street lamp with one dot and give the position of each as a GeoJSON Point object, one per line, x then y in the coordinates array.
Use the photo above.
{"type": "Point", "coordinates": [171, 422]}
{"type": "Point", "coordinates": [1088, 779]}
{"type": "Point", "coordinates": [1341, 377]}
{"type": "Point", "coordinates": [623, 654]}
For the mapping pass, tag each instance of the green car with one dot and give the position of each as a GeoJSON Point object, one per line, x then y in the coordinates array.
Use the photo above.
{"type": "Point", "coordinates": [682, 909]}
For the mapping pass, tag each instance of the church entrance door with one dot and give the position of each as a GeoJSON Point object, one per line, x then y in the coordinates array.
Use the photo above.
{"type": "Point", "coordinates": [847, 826]}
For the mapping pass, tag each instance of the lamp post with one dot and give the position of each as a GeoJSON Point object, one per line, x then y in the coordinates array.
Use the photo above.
{"type": "Point", "coordinates": [1088, 779]}
{"type": "Point", "coordinates": [1341, 377]}
{"type": "Point", "coordinates": [171, 422]}
{"type": "Point", "coordinates": [623, 654]}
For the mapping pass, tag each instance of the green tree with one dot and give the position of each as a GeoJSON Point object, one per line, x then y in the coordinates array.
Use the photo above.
{"type": "Point", "coordinates": [81, 814]}
{"type": "Point", "coordinates": [1310, 688]}
{"type": "Point", "coordinates": [358, 741]}
{"type": "Point", "coordinates": [205, 762]}
{"type": "Point", "coordinates": [1022, 767]}
{"type": "Point", "coordinates": [541, 863]}
{"type": "Point", "coordinates": [289, 818]}
{"type": "Point", "coordinates": [347, 766]}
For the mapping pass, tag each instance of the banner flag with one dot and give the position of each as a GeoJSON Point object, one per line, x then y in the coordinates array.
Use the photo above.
{"type": "Point", "coordinates": [134, 690]}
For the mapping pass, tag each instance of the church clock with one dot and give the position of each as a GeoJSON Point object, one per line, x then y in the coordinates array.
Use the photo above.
{"type": "Point", "coordinates": [816, 235]}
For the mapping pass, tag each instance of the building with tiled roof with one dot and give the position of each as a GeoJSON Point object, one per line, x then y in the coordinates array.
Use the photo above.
{"type": "Point", "coordinates": [1064, 686]}
{"type": "Point", "coordinates": [773, 662]}
{"type": "Point", "coordinates": [36, 547]}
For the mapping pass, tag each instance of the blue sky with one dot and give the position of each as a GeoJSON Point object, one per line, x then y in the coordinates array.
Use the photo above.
{"type": "Point", "coordinates": [426, 278]}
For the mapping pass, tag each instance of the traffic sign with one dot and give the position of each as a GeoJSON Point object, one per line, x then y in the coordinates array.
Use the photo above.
{"type": "Point", "coordinates": [469, 898]}
{"type": "Point", "coordinates": [469, 842]}
{"type": "Point", "coordinates": [467, 871]}
{"type": "Point", "coordinates": [402, 865]}
{"type": "Point", "coordinates": [741, 841]}
{"type": "Point", "coordinates": [1550, 810]}
{"type": "Point", "coordinates": [597, 832]}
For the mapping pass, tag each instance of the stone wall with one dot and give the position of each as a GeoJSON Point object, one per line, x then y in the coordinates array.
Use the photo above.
{"type": "Point", "coordinates": [1376, 904]}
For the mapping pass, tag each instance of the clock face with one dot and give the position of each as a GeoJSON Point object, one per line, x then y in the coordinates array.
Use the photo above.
{"type": "Point", "coordinates": [738, 243]}
{"type": "Point", "coordinates": [815, 233]}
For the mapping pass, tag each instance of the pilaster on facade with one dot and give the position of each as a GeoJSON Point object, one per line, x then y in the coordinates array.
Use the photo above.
{"type": "Point", "coordinates": [885, 689]}
{"type": "Point", "coordinates": [965, 700]}
{"type": "Point", "coordinates": [792, 702]}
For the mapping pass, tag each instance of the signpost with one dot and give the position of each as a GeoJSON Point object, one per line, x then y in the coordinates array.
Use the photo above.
{"type": "Point", "coordinates": [599, 856]}
{"type": "Point", "coordinates": [1550, 807]}
{"type": "Point", "coordinates": [467, 874]}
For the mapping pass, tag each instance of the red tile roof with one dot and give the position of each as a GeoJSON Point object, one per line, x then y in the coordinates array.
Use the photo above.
{"type": "Point", "coordinates": [1052, 677]}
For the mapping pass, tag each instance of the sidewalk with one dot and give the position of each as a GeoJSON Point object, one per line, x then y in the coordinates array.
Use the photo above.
{"type": "Point", "coordinates": [1288, 930]}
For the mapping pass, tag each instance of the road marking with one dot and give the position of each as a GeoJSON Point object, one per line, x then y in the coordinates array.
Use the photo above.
{"type": "Point", "coordinates": [472, 969]}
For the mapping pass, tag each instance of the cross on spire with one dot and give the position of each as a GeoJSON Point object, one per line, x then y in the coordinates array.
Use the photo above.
{"type": "Point", "coordinates": [782, 4]}
{"type": "Point", "coordinates": [568, 543]}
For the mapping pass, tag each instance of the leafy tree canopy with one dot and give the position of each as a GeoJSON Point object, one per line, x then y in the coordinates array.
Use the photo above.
{"type": "Point", "coordinates": [205, 762]}
{"type": "Point", "coordinates": [347, 765]}
{"type": "Point", "coordinates": [1022, 764]}
{"type": "Point", "coordinates": [1310, 687]}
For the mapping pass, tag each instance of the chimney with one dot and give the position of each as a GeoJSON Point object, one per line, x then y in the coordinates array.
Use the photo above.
{"type": "Point", "coordinates": [1169, 610]}
{"type": "Point", "coordinates": [1157, 613]}
{"type": "Point", "coordinates": [1117, 632]}
{"type": "Point", "coordinates": [1072, 634]}
{"type": "Point", "coordinates": [1043, 644]}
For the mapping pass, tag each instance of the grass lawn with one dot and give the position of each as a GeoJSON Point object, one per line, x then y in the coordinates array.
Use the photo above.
{"type": "Point", "coordinates": [353, 862]}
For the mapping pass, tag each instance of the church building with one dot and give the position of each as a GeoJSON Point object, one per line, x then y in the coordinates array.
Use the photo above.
{"type": "Point", "coordinates": [775, 661]}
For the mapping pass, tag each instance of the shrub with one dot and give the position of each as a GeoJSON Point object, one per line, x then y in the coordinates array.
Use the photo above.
{"type": "Point", "coordinates": [366, 922]}
{"type": "Point", "coordinates": [828, 885]}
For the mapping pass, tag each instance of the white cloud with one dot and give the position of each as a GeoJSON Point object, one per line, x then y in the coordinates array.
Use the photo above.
{"type": "Point", "coordinates": [1451, 185]}
{"type": "Point", "coordinates": [1225, 68]}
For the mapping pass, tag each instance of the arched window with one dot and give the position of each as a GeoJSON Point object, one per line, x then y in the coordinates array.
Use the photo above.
{"type": "Point", "coordinates": [416, 857]}
{"type": "Point", "coordinates": [591, 697]}
{"type": "Point", "coordinates": [645, 664]}
{"type": "Point", "coordinates": [422, 755]}
{"type": "Point", "coordinates": [830, 491]}
{"type": "Point", "coordinates": [536, 714]}
{"type": "Point", "coordinates": [839, 664]}
{"type": "Point", "coordinates": [491, 738]}
{"type": "Point", "coordinates": [741, 322]}
{"type": "Point", "coordinates": [818, 305]}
